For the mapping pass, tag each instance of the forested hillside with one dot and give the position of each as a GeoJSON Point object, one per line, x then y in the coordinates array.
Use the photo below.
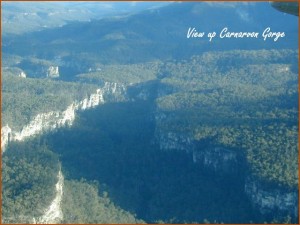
{"type": "Point", "coordinates": [22, 99]}
{"type": "Point", "coordinates": [249, 103]}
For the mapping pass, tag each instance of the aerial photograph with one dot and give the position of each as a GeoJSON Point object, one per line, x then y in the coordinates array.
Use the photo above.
{"type": "Point", "coordinates": [154, 112]}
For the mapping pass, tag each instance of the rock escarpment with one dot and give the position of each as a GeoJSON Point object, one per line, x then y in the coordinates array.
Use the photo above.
{"type": "Point", "coordinates": [217, 158]}
{"type": "Point", "coordinates": [270, 200]}
{"type": "Point", "coordinates": [222, 160]}
{"type": "Point", "coordinates": [44, 122]}
{"type": "Point", "coordinates": [53, 213]}
{"type": "Point", "coordinates": [52, 72]}
{"type": "Point", "coordinates": [52, 120]}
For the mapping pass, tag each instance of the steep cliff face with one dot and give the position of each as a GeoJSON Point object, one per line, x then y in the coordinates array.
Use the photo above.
{"type": "Point", "coordinates": [217, 158]}
{"type": "Point", "coordinates": [223, 160]}
{"type": "Point", "coordinates": [55, 119]}
{"type": "Point", "coordinates": [5, 136]}
{"type": "Point", "coordinates": [22, 74]}
{"type": "Point", "coordinates": [13, 71]}
{"type": "Point", "coordinates": [38, 68]}
{"type": "Point", "coordinates": [112, 92]}
{"type": "Point", "coordinates": [171, 140]}
{"type": "Point", "coordinates": [269, 199]}
{"type": "Point", "coordinates": [50, 121]}
{"type": "Point", "coordinates": [53, 213]}
{"type": "Point", "coordinates": [52, 72]}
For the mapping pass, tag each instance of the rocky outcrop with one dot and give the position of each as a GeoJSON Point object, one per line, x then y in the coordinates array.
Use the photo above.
{"type": "Point", "coordinates": [5, 136]}
{"type": "Point", "coordinates": [46, 121]}
{"type": "Point", "coordinates": [55, 119]}
{"type": "Point", "coordinates": [227, 161]}
{"type": "Point", "coordinates": [114, 92]}
{"type": "Point", "coordinates": [53, 213]}
{"type": "Point", "coordinates": [216, 158]}
{"type": "Point", "coordinates": [270, 200]}
{"type": "Point", "coordinates": [50, 121]}
{"type": "Point", "coordinates": [52, 72]}
{"type": "Point", "coordinates": [22, 74]}
{"type": "Point", "coordinates": [13, 71]}
{"type": "Point", "coordinates": [171, 140]}
{"type": "Point", "coordinates": [35, 68]}
{"type": "Point", "coordinates": [167, 138]}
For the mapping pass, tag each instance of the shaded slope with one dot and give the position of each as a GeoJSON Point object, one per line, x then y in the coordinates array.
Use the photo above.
{"type": "Point", "coordinates": [158, 33]}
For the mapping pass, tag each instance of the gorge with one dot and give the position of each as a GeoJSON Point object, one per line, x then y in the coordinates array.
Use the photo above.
{"type": "Point", "coordinates": [210, 157]}
{"type": "Point", "coordinates": [126, 120]}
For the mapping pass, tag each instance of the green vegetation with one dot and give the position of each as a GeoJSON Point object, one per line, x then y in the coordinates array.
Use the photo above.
{"type": "Point", "coordinates": [82, 204]}
{"type": "Point", "coordinates": [243, 102]}
{"type": "Point", "coordinates": [125, 74]}
{"type": "Point", "coordinates": [29, 176]}
{"type": "Point", "coordinates": [35, 68]}
{"type": "Point", "coordinates": [9, 60]}
{"type": "Point", "coordinates": [113, 144]}
{"type": "Point", "coordinates": [272, 153]}
{"type": "Point", "coordinates": [22, 99]}
{"type": "Point", "coordinates": [249, 103]}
